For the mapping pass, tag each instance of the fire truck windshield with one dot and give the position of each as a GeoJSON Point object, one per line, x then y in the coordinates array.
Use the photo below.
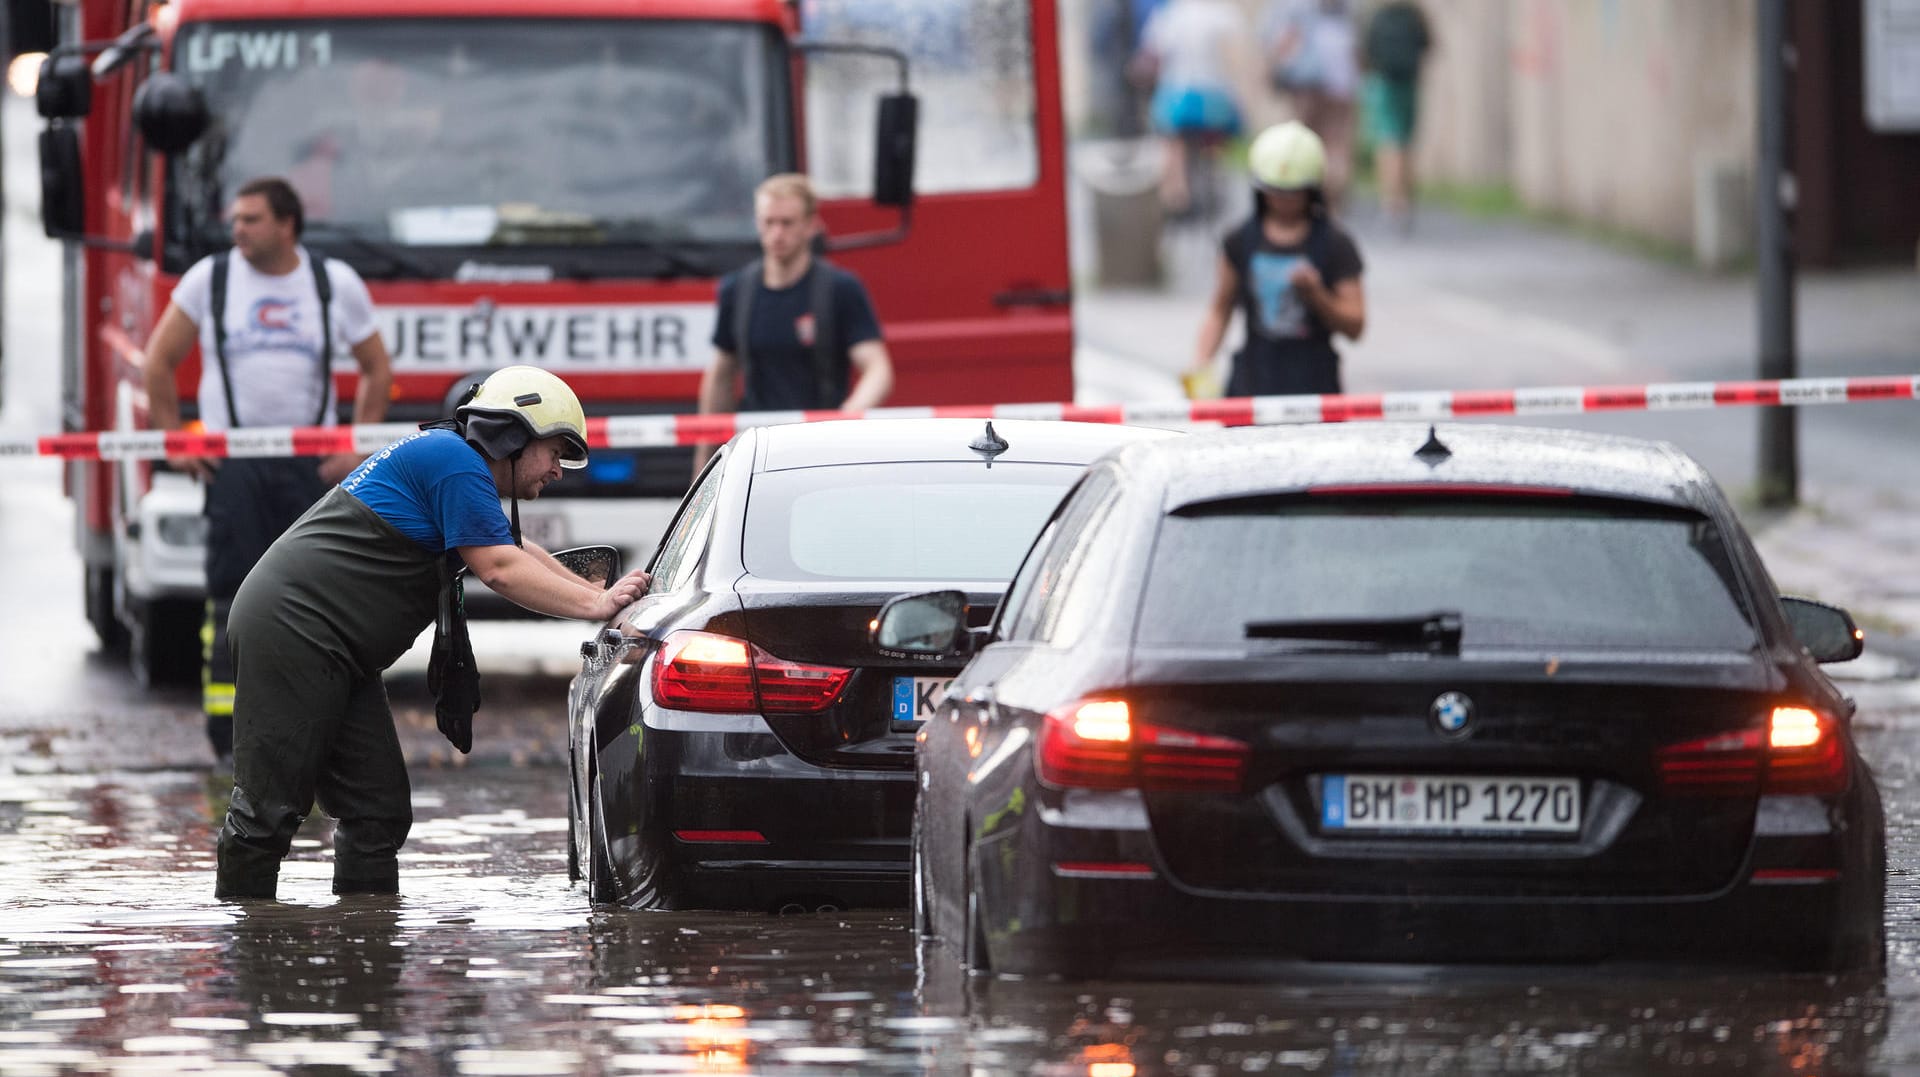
{"type": "Point", "coordinates": [572, 146]}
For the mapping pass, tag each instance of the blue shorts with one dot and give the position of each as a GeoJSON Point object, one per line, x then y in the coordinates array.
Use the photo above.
{"type": "Point", "coordinates": [1181, 110]}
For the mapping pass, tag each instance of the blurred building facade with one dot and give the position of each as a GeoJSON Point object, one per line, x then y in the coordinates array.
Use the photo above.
{"type": "Point", "coordinates": [1640, 116]}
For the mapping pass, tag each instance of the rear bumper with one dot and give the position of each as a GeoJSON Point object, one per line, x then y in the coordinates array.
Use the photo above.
{"type": "Point", "coordinates": [832, 837]}
{"type": "Point", "coordinates": [1150, 929]}
{"type": "Point", "coordinates": [785, 885]}
{"type": "Point", "coordinates": [1054, 911]}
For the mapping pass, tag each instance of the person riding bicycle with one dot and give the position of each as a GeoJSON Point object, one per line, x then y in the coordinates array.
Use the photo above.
{"type": "Point", "coordinates": [1186, 49]}
{"type": "Point", "coordinates": [1292, 270]}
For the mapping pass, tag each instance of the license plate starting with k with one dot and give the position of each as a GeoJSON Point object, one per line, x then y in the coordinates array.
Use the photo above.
{"type": "Point", "coordinates": [916, 698]}
{"type": "Point", "coordinates": [1449, 804]}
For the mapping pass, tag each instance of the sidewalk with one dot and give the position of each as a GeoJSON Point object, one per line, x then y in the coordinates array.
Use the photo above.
{"type": "Point", "coordinates": [1485, 303]}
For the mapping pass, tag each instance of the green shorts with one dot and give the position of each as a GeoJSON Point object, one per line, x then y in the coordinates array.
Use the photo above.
{"type": "Point", "coordinates": [1391, 106]}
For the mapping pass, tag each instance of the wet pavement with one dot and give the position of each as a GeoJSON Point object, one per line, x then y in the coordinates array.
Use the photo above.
{"type": "Point", "coordinates": [115, 959]}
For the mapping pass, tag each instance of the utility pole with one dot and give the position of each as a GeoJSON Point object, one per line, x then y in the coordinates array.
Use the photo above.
{"type": "Point", "coordinates": [1774, 198]}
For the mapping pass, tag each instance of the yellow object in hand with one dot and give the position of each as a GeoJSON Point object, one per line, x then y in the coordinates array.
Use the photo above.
{"type": "Point", "coordinates": [1201, 384]}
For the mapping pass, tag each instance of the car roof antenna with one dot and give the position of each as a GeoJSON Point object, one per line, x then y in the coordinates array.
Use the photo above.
{"type": "Point", "coordinates": [1434, 452]}
{"type": "Point", "coordinates": [989, 444]}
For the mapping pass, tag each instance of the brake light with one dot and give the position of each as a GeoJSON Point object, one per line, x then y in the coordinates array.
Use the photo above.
{"type": "Point", "coordinates": [1096, 744]}
{"type": "Point", "coordinates": [704, 671]}
{"type": "Point", "coordinates": [1798, 753]}
{"type": "Point", "coordinates": [1806, 755]}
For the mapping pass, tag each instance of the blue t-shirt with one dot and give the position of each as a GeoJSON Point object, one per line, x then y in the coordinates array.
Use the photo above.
{"type": "Point", "coordinates": [435, 489]}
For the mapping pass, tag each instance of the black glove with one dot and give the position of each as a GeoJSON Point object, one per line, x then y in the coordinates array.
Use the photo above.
{"type": "Point", "coordinates": [453, 678]}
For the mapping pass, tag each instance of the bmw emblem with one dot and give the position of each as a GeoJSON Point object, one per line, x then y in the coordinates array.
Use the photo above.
{"type": "Point", "coordinates": [1452, 714]}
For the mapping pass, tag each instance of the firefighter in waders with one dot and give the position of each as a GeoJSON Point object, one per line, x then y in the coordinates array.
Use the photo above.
{"type": "Point", "coordinates": [345, 592]}
{"type": "Point", "coordinates": [267, 323]}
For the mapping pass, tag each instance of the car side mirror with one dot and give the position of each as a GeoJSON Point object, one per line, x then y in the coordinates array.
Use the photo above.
{"type": "Point", "coordinates": [931, 625]}
{"type": "Point", "coordinates": [595, 564]}
{"type": "Point", "coordinates": [1827, 632]}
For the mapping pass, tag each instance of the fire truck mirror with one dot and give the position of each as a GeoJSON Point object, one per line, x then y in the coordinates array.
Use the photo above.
{"type": "Point", "coordinates": [893, 154]}
{"type": "Point", "coordinates": [29, 27]}
{"type": "Point", "coordinates": [65, 90]}
{"type": "Point", "coordinates": [62, 210]}
{"type": "Point", "coordinates": [170, 112]}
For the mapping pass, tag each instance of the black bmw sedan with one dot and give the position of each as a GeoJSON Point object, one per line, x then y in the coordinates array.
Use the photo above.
{"type": "Point", "coordinates": [736, 741]}
{"type": "Point", "coordinates": [1382, 693]}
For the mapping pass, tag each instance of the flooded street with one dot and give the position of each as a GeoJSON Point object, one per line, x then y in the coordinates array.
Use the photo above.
{"type": "Point", "coordinates": [115, 959]}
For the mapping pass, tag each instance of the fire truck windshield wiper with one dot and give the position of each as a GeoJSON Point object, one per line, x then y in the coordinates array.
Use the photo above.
{"type": "Point", "coordinates": [397, 263]}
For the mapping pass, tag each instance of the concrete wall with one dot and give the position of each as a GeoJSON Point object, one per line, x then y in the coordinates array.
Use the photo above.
{"type": "Point", "coordinates": [1608, 111]}
{"type": "Point", "coordinates": [1617, 98]}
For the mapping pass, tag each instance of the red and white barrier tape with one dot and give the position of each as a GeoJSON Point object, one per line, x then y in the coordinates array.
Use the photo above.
{"type": "Point", "coordinates": [640, 431]}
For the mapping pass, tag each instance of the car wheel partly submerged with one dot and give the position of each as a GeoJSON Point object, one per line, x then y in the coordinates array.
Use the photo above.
{"type": "Point", "coordinates": [922, 920]}
{"type": "Point", "coordinates": [977, 958]}
{"type": "Point", "coordinates": [602, 888]}
{"type": "Point", "coordinates": [573, 817]}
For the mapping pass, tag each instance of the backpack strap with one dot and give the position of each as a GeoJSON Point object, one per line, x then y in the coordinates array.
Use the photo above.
{"type": "Point", "coordinates": [826, 343]}
{"type": "Point", "coordinates": [744, 285]}
{"type": "Point", "coordinates": [219, 305]}
{"type": "Point", "coordinates": [323, 287]}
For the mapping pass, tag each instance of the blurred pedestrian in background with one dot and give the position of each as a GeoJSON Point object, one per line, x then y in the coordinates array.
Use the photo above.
{"type": "Point", "coordinates": [1116, 29]}
{"type": "Point", "coordinates": [1186, 53]}
{"type": "Point", "coordinates": [1293, 272]}
{"type": "Point", "coordinates": [1396, 43]}
{"type": "Point", "coordinates": [1312, 53]}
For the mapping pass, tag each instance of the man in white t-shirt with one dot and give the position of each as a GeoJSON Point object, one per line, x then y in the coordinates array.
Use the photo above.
{"type": "Point", "coordinates": [267, 323]}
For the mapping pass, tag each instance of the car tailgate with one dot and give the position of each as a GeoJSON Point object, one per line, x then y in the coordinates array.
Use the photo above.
{"type": "Point", "coordinates": [873, 721]}
{"type": "Point", "coordinates": [1348, 758]}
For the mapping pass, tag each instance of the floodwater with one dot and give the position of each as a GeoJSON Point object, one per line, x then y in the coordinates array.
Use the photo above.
{"type": "Point", "coordinates": [114, 959]}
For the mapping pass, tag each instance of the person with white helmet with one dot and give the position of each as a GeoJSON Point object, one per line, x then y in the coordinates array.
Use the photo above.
{"type": "Point", "coordinates": [1293, 272]}
{"type": "Point", "coordinates": [346, 591]}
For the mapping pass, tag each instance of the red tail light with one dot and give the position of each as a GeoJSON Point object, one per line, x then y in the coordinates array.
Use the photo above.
{"type": "Point", "coordinates": [1799, 752]}
{"type": "Point", "coordinates": [1805, 754]}
{"type": "Point", "coordinates": [703, 671]}
{"type": "Point", "coordinates": [1096, 744]}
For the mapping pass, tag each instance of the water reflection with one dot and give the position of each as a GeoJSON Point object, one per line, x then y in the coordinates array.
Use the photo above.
{"type": "Point", "coordinates": [114, 957]}
{"type": "Point", "coordinates": [1409, 1023]}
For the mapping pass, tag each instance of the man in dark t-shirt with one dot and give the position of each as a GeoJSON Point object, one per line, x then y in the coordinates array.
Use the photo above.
{"type": "Point", "coordinates": [807, 338]}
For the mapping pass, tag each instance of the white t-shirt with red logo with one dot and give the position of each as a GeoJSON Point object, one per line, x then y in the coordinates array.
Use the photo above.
{"type": "Point", "coordinates": [273, 339]}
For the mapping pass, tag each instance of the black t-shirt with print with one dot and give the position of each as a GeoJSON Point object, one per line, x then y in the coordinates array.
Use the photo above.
{"type": "Point", "coordinates": [1289, 349]}
{"type": "Point", "coordinates": [780, 354]}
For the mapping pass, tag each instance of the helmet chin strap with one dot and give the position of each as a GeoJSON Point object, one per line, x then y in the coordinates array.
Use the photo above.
{"type": "Point", "coordinates": [513, 491]}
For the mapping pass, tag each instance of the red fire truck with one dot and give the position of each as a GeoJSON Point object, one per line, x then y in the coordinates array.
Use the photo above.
{"type": "Point", "coordinates": [557, 182]}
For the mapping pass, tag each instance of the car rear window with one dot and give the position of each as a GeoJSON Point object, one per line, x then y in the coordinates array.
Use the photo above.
{"type": "Point", "coordinates": [1521, 573]}
{"type": "Point", "coordinates": [906, 521]}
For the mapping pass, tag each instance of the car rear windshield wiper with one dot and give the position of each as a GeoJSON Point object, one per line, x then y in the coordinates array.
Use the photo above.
{"type": "Point", "coordinates": [1438, 631]}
